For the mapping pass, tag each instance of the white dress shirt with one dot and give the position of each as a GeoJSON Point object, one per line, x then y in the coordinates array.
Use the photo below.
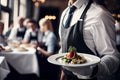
{"type": "Point", "coordinates": [13, 34]}
{"type": "Point", "coordinates": [117, 26]}
{"type": "Point", "coordinates": [50, 41]}
{"type": "Point", "coordinates": [27, 35]}
{"type": "Point", "coordinates": [99, 34]}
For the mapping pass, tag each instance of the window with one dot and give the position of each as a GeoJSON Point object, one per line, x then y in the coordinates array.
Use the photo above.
{"type": "Point", "coordinates": [5, 19]}
{"type": "Point", "coordinates": [4, 13]}
{"type": "Point", "coordinates": [4, 2]}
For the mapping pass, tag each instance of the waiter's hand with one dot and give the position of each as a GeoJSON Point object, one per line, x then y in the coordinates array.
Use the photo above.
{"type": "Point", "coordinates": [83, 72]}
{"type": "Point", "coordinates": [1, 48]}
{"type": "Point", "coordinates": [34, 46]}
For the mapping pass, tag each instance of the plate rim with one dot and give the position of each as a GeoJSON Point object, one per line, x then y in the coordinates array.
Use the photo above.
{"type": "Point", "coordinates": [6, 51]}
{"type": "Point", "coordinates": [56, 62]}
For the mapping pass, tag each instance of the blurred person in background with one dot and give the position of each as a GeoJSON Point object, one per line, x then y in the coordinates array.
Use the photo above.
{"type": "Point", "coordinates": [25, 23]}
{"type": "Point", "coordinates": [49, 38]}
{"type": "Point", "coordinates": [90, 30]}
{"type": "Point", "coordinates": [18, 31]}
{"type": "Point", "coordinates": [47, 48]}
{"type": "Point", "coordinates": [9, 29]}
{"type": "Point", "coordinates": [117, 26]}
{"type": "Point", "coordinates": [3, 41]}
{"type": "Point", "coordinates": [33, 36]}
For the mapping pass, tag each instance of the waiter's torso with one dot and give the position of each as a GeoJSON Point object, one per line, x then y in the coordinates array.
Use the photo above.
{"type": "Point", "coordinates": [90, 18]}
{"type": "Point", "coordinates": [21, 32]}
{"type": "Point", "coordinates": [73, 36]}
{"type": "Point", "coordinates": [33, 37]}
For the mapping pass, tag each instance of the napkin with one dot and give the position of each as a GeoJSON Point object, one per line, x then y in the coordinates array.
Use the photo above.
{"type": "Point", "coordinates": [3, 73]}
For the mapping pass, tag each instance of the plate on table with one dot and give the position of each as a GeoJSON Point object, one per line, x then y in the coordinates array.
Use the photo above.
{"type": "Point", "coordinates": [13, 44]}
{"type": "Point", "coordinates": [21, 49]}
{"type": "Point", "coordinates": [90, 60]}
{"type": "Point", "coordinates": [7, 49]}
{"type": "Point", "coordinates": [25, 45]}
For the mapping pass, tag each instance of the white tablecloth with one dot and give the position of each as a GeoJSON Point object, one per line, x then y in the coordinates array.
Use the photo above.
{"type": "Point", "coordinates": [25, 62]}
{"type": "Point", "coordinates": [4, 70]}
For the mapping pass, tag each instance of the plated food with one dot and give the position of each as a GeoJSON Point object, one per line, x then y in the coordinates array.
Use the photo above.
{"type": "Point", "coordinates": [13, 44]}
{"type": "Point", "coordinates": [26, 45]}
{"type": "Point", "coordinates": [72, 57]}
{"type": "Point", "coordinates": [7, 49]}
{"type": "Point", "coordinates": [21, 49]}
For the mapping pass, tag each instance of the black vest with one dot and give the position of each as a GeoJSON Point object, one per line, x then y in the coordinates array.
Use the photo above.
{"type": "Point", "coordinates": [33, 38]}
{"type": "Point", "coordinates": [21, 33]}
{"type": "Point", "coordinates": [73, 36]}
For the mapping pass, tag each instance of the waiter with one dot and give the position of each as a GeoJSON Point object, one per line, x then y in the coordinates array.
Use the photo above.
{"type": "Point", "coordinates": [18, 31]}
{"type": "Point", "coordinates": [90, 28]}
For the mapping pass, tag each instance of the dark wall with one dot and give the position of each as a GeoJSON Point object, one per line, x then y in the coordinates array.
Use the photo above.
{"type": "Point", "coordinates": [50, 10]}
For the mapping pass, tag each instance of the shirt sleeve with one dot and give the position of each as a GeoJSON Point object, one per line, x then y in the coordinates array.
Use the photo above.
{"type": "Point", "coordinates": [60, 24]}
{"type": "Point", "coordinates": [40, 36]}
{"type": "Point", "coordinates": [27, 36]}
{"type": "Point", "coordinates": [13, 34]}
{"type": "Point", "coordinates": [103, 33]}
{"type": "Point", "coordinates": [51, 42]}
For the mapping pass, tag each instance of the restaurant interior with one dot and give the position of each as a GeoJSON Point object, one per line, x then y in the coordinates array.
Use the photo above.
{"type": "Point", "coordinates": [24, 65]}
{"type": "Point", "coordinates": [37, 9]}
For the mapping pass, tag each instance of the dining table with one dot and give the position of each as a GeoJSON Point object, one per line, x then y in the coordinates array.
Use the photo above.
{"type": "Point", "coordinates": [23, 61]}
{"type": "Point", "coordinates": [4, 69]}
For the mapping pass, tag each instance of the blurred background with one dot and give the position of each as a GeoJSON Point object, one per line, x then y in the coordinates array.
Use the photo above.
{"type": "Point", "coordinates": [37, 9]}
{"type": "Point", "coordinates": [10, 10]}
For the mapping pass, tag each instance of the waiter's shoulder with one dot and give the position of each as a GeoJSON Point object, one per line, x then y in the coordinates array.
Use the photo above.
{"type": "Point", "coordinates": [28, 30]}
{"type": "Point", "coordinates": [99, 10]}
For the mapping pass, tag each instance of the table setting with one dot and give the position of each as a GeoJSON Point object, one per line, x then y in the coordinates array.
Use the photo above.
{"type": "Point", "coordinates": [4, 69]}
{"type": "Point", "coordinates": [21, 57]}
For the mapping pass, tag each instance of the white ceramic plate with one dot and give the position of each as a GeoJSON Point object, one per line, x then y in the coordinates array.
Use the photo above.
{"type": "Point", "coordinates": [21, 50]}
{"type": "Point", "coordinates": [91, 60]}
{"type": "Point", "coordinates": [6, 50]}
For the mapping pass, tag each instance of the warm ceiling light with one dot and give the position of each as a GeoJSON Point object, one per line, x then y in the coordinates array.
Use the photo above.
{"type": "Point", "coordinates": [113, 15]}
{"type": "Point", "coordinates": [34, 0]}
{"type": "Point", "coordinates": [42, 1]}
{"type": "Point", "coordinates": [118, 15]}
{"type": "Point", "coordinates": [46, 17]}
{"type": "Point", "coordinates": [54, 17]}
{"type": "Point", "coordinates": [37, 4]}
{"type": "Point", "coordinates": [50, 17]}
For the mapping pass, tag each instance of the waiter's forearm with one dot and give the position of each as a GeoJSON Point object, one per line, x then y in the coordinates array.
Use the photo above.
{"type": "Point", "coordinates": [108, 65]}
{"type": "Point", "coordinates": [44, 52]}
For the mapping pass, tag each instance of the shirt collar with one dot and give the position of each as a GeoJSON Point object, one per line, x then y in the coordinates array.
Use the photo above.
{"type": "Point", "coordinates": [79, 3]}
{"type": "Point", "coordinates": [47, 32]}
